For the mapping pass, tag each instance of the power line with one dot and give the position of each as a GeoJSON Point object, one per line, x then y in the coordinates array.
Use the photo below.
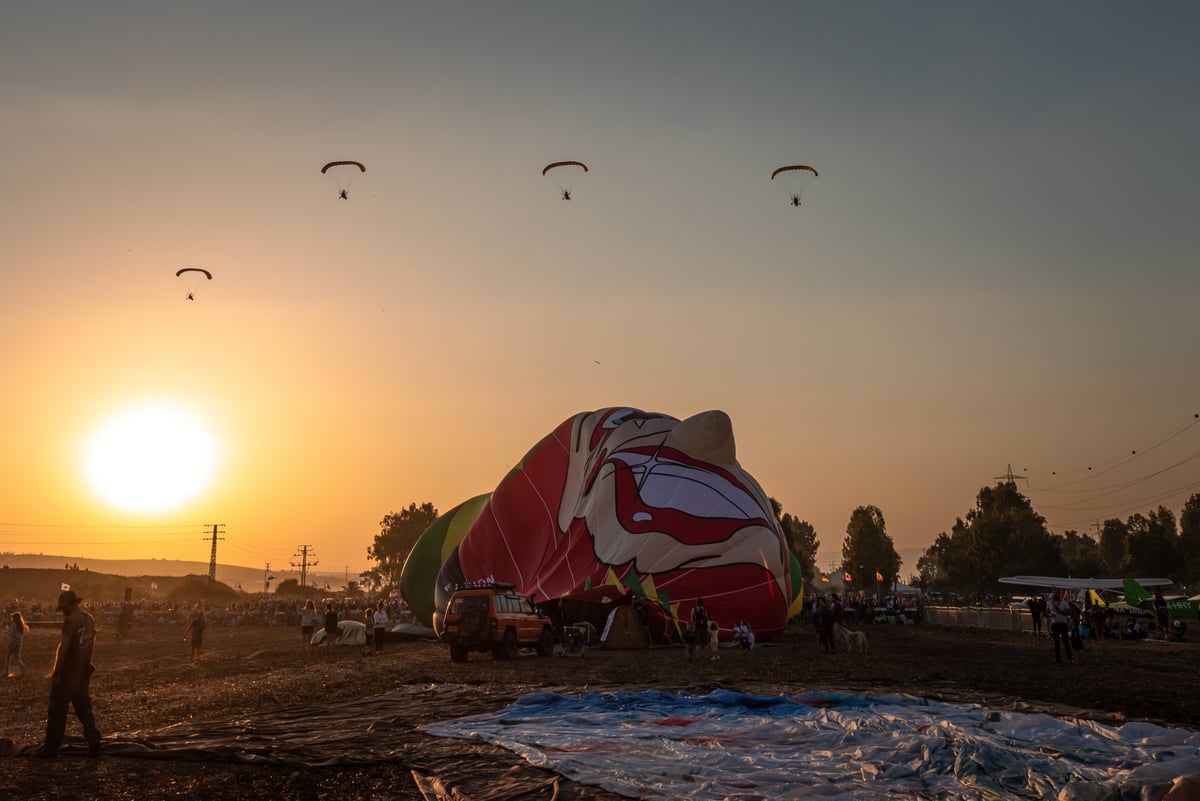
{"type": "Point", "coordinates": [304, 552]}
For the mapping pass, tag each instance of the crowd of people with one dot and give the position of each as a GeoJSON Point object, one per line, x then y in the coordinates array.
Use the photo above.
{"type": "Point", "coordinates": [270, 611]}
{"type": "Point", "coordinates": [1069, 624]}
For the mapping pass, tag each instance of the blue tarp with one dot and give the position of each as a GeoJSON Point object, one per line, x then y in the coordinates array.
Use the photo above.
{"type": "Point", "coordinates": [727, 745]}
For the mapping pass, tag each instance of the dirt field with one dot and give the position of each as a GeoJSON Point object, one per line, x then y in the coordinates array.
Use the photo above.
{"type": "Point", "coordinates": [146, 682]}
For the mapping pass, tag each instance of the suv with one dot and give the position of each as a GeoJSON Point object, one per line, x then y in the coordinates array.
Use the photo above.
{"type": "Point", "coordinates": [492, 617]}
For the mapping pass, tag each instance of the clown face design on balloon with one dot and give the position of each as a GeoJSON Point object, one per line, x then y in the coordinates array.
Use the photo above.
{"type": "Point", "coordinates": [644, 499]}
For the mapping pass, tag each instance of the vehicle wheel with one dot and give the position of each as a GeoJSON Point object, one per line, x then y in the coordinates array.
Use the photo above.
{"type": "Point", "coordinates": [545, 643]}
{"type": "Point", "coordinates": [458, 652]}
{"type": "Point", "coordinates": [507, 649]}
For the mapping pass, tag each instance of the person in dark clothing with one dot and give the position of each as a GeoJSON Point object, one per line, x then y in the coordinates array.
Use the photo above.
{"type": "Point", "coordinates": [331, 628]}
{"type": "Point", "coordinates": [1035, 612]}
{"type": "Point", "coordinates": [699, 628]}
{"type": "Point", "coordinates": [71, 678]}
{"type": "Point", "coordinates": [195, 632]}
{"type": "Point", "coordinates": [1060, 625]}
{"type": "Point", "coordinates": [1160, 609]}
{"type": "Point", "coordinates": [643, 616]}
{"type": "Point", "coordinates": [823, 622]}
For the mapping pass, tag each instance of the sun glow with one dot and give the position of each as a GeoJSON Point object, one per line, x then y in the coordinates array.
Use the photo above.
{"type": "Point", "coordinates": [150, 458]}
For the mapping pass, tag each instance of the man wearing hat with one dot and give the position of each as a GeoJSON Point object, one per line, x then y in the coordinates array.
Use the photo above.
{"type": "Point", "coordinates": [72, 675]}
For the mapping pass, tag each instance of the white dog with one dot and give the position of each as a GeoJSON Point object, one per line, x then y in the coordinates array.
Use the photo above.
{"type": "Point", "coordinates": [852, 641]}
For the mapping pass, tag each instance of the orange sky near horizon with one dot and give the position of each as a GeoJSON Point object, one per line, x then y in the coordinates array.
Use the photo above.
{"type": "Point", "coordinates": [931, 314]}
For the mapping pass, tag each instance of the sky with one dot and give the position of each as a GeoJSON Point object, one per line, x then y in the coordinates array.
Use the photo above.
{"type": "Point", "coordinates": [995, 268]}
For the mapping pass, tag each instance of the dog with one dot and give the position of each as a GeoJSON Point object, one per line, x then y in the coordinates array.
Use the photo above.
{"type": "Point", "coordinates": [852, 641]}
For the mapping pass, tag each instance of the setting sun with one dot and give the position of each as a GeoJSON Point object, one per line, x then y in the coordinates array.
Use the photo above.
{"type": "Point", "coordinates": [150, 458]}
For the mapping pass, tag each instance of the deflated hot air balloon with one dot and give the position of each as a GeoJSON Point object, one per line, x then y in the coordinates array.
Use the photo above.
{"type": "Point", "coordinates": [343, 174]}
{"type": "Point", "coordinates": [565, 172]}
{"type": "Point", "coordinates": [626, 500]}
{"type": "Point", "coordinates": [794, 177]}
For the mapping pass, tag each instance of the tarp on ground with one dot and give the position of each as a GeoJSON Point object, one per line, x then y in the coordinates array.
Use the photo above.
{"type": "Point", "coordinates": [350, 632]}
{"type": "Point", "coordinates": [727, 745]}
{"type": "Point", "coordinates": [658, 745]}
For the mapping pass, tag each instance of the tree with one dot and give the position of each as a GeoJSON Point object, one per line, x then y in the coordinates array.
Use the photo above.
{"type": "Point", "coordinates": [1081, 555]}
{"type": "Point", "coordinates": [801, 539]}
{"type": "Point", "coordinates": [1152, 547]}
{"type": "Point", "coordinates": [868, 549]}
{"type": "Point", "coordinates": [1189, 538]}
{"type": "Point", "coordinates": [931, 571]}
{"type": "Point", "coordinates": [1112, 544]}
{"type": "Point", "coordinates": [398, 534]}
{"type": "Point", "coordinates": [1001, 536]}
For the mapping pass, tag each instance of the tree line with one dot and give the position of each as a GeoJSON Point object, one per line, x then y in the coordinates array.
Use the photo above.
{"type": "Point", "coordinates": [1001, 536]}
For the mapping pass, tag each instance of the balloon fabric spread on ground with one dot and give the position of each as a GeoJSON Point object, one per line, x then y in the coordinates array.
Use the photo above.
{"type": "Point", "coordinates": [619, 497]}
{"type": "Point", "coordinates": [727, 745]}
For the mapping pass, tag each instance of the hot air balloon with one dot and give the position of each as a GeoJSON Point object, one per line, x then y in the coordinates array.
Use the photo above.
{"type": "Point", "coordinates": [627, 502]}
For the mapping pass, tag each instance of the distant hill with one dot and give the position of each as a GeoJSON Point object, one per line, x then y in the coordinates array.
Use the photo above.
{"type": "Point", "coordinates": [250, 579]}
{"type": "Point", "coordinates": [32, 586]}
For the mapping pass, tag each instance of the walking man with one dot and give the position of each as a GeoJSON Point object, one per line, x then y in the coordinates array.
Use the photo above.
{"type": "Point", "coordinates": [71, 678]}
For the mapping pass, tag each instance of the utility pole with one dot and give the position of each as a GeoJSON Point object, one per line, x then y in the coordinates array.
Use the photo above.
{"type": "Point", "coordinates": [212, 562]}
{"type": "Point", "coordinates": [267, 578]}
{"type": "Point", "coordinates": [1011, 478]}
{"type": "Point", "coordinates": [305, 563]}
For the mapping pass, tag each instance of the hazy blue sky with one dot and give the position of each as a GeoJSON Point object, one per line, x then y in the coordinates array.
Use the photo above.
{"type": "Point", "coordinates": [996, 265]}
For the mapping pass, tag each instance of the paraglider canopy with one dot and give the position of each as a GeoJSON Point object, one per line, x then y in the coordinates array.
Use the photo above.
{"type": "Point", "coordinates": [343, 173]}
{"type": "Point", "coordinates": [331, 164]}
{"type": "Point", "coordinates": [555, 164]}
{"type": "Point", "coordinates": [794, 177]}
{"type": "Point", "coordinates": [565, 172]}
{"type": "Point", "coordinates": [201, 270]}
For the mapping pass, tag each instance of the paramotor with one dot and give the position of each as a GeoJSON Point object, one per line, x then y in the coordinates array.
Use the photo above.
{"type": "Point", "coordinates": [565, 172]}
{"type": "Point", "coordinates": [343, 174]}
{"type": "Point", "coordinates": [794, 177]}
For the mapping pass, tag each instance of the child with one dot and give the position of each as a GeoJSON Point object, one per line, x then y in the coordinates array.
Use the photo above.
{"type": "Point", "coordinates": [16, 633]}
{"type": "Point", "coordinates": [713, 638]}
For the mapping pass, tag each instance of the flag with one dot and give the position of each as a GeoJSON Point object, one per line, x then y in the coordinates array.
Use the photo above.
{"type": "Point", "coordinates": [878, 576]}
{"type": "Point", "coordinates": [846, 575]}
{"type": "Point", "coordinates": [825, 577]}
{"type": "Point", "coordinates": [65, 586]}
